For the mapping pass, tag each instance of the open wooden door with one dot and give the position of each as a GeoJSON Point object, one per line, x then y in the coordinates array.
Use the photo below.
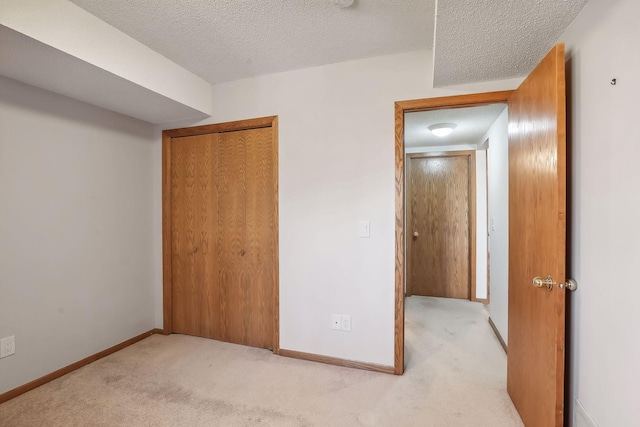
{"type": "Point", "coordinates": [537, 243]}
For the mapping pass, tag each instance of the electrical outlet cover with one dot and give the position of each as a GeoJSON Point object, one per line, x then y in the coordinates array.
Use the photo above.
{"type": "Point", "coordinates": [336, 321]}
{"type": "Point", "coordinates": [7, 346]}
{"type": "Point", "coordinates": [346, 323]}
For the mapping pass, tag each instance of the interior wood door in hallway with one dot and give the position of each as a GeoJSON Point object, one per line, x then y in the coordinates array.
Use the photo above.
{"type": "Point", "coordinates": [439, 215]}
{"type": "Point", "coordinates": [222, 203]}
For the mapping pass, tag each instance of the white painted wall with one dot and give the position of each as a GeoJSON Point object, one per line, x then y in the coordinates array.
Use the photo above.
{"type": "Point", "coordinates": [78, 250]}
{"type": "Point", "coordinates": [602, 44]}
{"type": "Point", "coordinates": [336, 168]}
{"type": "Point", "coordinates": [481, 224]}
{"type": "Point", "coordinates": [498, 185]}
{"type": "Point", "coordinates": [481, 209]}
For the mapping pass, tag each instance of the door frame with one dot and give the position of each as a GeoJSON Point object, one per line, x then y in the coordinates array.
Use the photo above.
{"type": "Point", "coordinates": [472, 218]}
{"type": "Point", "coordinates": [402, 107]}
{"type": "Point", "coordinates": [167, 136]}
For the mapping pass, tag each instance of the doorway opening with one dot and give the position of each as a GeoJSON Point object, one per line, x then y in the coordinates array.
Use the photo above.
{"type": "Point", "coordinates": [537, 179]}
{"type": "Point", "coordinates": [412, 137]}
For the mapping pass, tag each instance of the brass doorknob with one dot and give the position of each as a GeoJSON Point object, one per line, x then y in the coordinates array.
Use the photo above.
{"type": "Point", "coordinates": [539, 282]}
{"type": "Point", "coordinates": [571, 285]}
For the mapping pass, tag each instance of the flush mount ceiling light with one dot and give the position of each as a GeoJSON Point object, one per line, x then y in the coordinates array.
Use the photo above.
{"type": "Point", "coordinates": [342, 3]}
{"type": "Point", "coordinates": [442, 129]}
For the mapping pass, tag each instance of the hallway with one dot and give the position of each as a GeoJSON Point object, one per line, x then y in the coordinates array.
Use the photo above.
{"type": "Point", "coordinates": [452, 353]}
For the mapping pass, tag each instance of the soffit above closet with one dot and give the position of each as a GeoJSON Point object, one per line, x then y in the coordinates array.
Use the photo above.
{"type": "Point", "coordinates": [57, 46]}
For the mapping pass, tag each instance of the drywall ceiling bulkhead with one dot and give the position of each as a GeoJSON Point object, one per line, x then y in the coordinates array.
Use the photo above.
{"type": "Point", "coordinates": [57, 46]}
{"type": "Point", "coordinates": [486, 40]}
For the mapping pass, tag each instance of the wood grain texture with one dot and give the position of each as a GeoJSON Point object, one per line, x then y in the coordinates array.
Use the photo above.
{"type": "Point", "coordinates": [276, 250]}
{"type": "Point", "coordinates": [337, 361]}
{"type": "Point", "coordinates": [8, 395]}
{"type": "Point", "coordinates": [260, 236]}
{"type": "Point", "coordinates": [194, 230]}
{"type": "Point", "coordinates": [261, 122]}
{"type": "Point", "coordinates": [402, 107]}
{"type": "Point", "coordinates": [408, 218]}
{"type": "Point", "coordinates": [398, 350]}
{"type": "Point", "coordinates": [232, 235]}
{"type": "Point", "coordinates": [247, 238]}
{"type": "Point", "coordinates": [440, 206]}
{"type": "Point", "coordinates": [167, 305]}
{"type": "Point", "coordinates": [233, 311]}
{"type": "Point", "coordinates": [459, 101]}
{"type": "Point", "coordinates": [537, 242]}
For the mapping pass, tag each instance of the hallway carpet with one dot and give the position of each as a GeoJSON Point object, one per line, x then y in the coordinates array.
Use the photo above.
{"type": "Point", "coordinates": [455, 376]}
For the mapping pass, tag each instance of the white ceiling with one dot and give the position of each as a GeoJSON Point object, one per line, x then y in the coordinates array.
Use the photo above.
{"type": "Point", "coordinates": [471, 124]}
{"type": "Point", "coordinates": [222, 40]}
{"type": "Point", "coordinates": [125, 55]}
{"type": "Point", "coordinates": [483, 40]}
{"type": "Point", "coordinates": [226, 40]}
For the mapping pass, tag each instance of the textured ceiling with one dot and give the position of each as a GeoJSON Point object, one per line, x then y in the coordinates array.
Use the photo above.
{"type": "Point", "coordinates": [472, 123]}
{"type": "Point", "coordinates": [482, 40]}
{"type": "Point", "coordinates": [226, 40]}
{"type": "Point", "coordinates": [223, 40]}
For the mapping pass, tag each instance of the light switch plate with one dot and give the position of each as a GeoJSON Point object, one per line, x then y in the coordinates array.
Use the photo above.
{"type": "Point", "coordinates": [364, 229]}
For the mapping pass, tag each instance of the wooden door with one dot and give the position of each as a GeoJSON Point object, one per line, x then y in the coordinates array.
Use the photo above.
{"type": "Point", "coordinates": [440, 219]}
{"type": "Point", "coordinates": [247, 236]}
{"type": "Point", "coordinates": [261, 236]}
{"type": "Point", "coordinates": [194, 230]}
{"type": "Point", "coordinates": [220, 232]}
{"type": "Point", "coordinates": [231, 238]}
{"type": "Point", "coordinates": [537, 242]}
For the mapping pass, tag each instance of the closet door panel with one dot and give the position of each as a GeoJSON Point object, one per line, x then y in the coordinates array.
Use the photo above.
{"type": "Point", "coordinates": [260, 236]}
{"type": "Point", "coordinates": [194, 235]}
{"type": "Point", "coordinates": [231, 237]}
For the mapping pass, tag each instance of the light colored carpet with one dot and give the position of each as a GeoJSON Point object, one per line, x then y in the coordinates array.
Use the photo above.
{"type": "Point", "coordinates": [455, 376]}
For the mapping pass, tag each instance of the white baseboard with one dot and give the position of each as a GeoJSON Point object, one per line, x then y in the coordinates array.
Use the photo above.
{"type": "Point", "coordinates": [581, 417]}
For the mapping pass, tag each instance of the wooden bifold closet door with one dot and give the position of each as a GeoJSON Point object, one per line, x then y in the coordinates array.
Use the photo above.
{"type": "Point", "coordinates": [194, 238]}
{"type": "Point", "coordinates": [224, 236]}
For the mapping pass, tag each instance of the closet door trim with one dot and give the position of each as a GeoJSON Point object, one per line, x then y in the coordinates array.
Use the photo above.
{"type": "Point", "coordinates": [167, 136]}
